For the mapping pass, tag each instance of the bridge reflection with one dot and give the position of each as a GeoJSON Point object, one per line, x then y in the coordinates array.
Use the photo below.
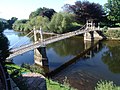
{"type": "Point", "coordinates": [90, 49]}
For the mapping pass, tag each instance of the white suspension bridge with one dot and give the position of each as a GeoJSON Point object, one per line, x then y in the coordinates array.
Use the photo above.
{"type": "Point", "coordinates": [86, 30]}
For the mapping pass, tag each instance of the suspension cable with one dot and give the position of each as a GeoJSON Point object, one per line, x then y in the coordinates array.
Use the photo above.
{"type": "Point", "coordinates": [20, 40]}
{"type": "Point", "coordinates": [26, 40]}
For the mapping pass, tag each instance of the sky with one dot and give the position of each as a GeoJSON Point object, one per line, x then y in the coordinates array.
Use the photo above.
{"type": "Point", "coordinates": [22, 8]}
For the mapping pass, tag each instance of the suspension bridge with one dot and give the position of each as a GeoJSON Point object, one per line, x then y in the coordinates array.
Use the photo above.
{"type": "Point", "coordinates": [87, 28]}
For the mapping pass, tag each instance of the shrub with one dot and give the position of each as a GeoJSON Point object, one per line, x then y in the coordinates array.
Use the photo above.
{"type": "Point", "coordinates": [106, 85]}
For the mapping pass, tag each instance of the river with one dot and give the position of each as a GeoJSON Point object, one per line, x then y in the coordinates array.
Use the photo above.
{"type": "Point", "coordinates": [82, 63]}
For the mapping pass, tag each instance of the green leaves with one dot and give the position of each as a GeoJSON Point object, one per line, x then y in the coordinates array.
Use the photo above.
{"type": "Point", "coordinates": [85, 10]}
{"type": "Point", "coordinates": [112, 8]}
{"type": "Point", "coordinates": [61, 22]}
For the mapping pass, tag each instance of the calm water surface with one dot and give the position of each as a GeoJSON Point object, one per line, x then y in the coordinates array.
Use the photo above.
{"type": "Point", "coordinates": [102, 61]}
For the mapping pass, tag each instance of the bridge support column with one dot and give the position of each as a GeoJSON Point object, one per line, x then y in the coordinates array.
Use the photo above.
{"type": "Point", "coordinates": [89, 36]}
{"type": "Point", "coordinates": [92, 35]}
{"type": "Point", "coordinates": [40, 56]}
{"type": "Point", "coordinates": [35, 37]}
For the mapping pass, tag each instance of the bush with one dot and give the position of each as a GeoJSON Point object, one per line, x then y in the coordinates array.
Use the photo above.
{"type": "Point", "coordinates": [113, 33]}
{"type": "Point", "coordinates": [106, 85]}
{"type": "Point", "coordinates": [33, 68]}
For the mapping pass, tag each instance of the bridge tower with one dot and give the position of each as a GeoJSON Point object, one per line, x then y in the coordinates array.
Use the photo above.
{"type": "Point", "coordinates": [93, 30]}
{"type": "Point", "coordinates": [40, 56]}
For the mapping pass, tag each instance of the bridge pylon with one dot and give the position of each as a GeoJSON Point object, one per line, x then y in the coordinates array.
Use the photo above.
{"type": "Point", "coordinates": [35, 36]}
{"type": "Point", "coordinates": [40, 56]}
{"type": "Point", "coordinates": [93, 30]}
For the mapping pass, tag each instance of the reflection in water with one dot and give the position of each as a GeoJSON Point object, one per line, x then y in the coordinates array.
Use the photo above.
{"type": "Point", "coordinates": [89, 52]}
{"type": "Point", "coordinates": [112, 56]}
{"type": "Point", "coordinates": [71, 46]}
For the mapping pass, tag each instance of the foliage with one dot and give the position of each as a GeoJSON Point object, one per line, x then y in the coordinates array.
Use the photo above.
{"type": "Point", "coordinates": [15, 70]}
{"type": "Point", "coordinates": [4, 47]}
{"type": "Point", "coordinates": [42, 12]}
{"type": "Point", "coordinates": [11, 21]}
{"type": "Point", "coordinates": [1, 27]}
{"type": "Point", "coordinates": [33, 68]}
{"type": "Point", "coordinates": [106, 85]}
{"type": "Point", "coordinates": [85, 10]}
{"type": "Point", "coordinates": [61, 22]}
{"type": "Point", "coordinates": [112, 33]}
{"type": "Point", "coordinates": [38, 22]}
{"type": "Point", "coordinates": [27, 25]}
{"type": "Point", "coordinates": [52, 85]}
{"type": "Point", "coordinates": [112, 8]}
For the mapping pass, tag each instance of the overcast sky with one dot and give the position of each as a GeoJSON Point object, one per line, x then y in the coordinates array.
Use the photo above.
{"type": "Point", "coordinates": [22, 8]}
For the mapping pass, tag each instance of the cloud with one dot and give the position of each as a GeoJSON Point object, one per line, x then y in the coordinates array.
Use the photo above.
{"type": "Point", "coordinates": [70, 2]}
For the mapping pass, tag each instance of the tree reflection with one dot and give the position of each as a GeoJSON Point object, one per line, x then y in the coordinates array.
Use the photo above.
{"type": "Point", "coordinates": [112, 56]}
{"type": "Point", "coordinates": [70, 46]}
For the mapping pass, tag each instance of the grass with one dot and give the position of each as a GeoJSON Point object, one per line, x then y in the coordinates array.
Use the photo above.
{"type": "Point", "coordinates": [106, 85]}
{"type": "Point", "coordinates": [15, 70]}
{"type": "Point", "coordinates": [111, 33]}
{"type": "Point", "coordinates": [51, 85]}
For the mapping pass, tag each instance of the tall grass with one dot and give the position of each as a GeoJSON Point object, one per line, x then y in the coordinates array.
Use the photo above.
{"type": "Point", "coordinates": [106, 85]}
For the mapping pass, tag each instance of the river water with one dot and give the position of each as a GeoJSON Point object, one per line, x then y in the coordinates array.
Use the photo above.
{"type": "Point", "coordinates": [78, 62]}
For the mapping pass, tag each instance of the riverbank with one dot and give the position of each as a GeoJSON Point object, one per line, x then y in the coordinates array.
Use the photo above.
{"type": "Point", "coordinates": [27, 80]}
{"type": "Point", "coordinates": [112, 33]}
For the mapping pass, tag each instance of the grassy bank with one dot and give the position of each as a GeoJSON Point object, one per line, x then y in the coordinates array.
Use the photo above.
{"type": "Point", "coordinates": [16, 72]}
{"type": "Point", "coordinates": [112, 33]}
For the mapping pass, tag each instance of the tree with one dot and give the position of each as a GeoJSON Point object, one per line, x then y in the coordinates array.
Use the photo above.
{"type": "Point", "coordinates": [4, 47]}
{"type": "Point", "coordinates": [27, 25]}
{"type": "Point", "coordinates": [112, 8]}
{"type": "Point", "coordinates": [11, 21]}
{"type": "Point", "coordinates": [48, 13]}
{"type": "Point", "coordinates": [85, 10]}
{"type": "Point", "coordinates": [61, 22]}
{"type": "Point", "coordinates": [1, 27]}
{"type": "Point", "coordinates": [42, 12]}
{"type": "Point", "coordinates": [19, 24]}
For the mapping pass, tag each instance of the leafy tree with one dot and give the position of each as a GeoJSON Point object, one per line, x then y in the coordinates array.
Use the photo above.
{"type": "Point", "coordinates": [37, 12]}
{"type": "Point", "coordinates": [27, 25]}
{"type": "Point", "coordinates": [38, 22]}
{"type": "Point", "coordinates": [61, 22]}
{"type": "Point", "coordinates": [1, 27]}
{"type": "Point", "coordinates": [85, 10]}
{"type": "Point", "coordinates": [42, 12]}
{"type": "Point", "coordinates": [19, 24]}
{"type": "Point", "coordinates": [4, 47]}
{"type": "Point", "coordinates": [112, 8]}
{"type": "Point", "coordinates": [48, 13]}
{"type": "Point", "coordinates": [11, 21]}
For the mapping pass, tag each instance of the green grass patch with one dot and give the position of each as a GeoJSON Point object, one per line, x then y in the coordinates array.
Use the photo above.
{"type": "Point", "coordinates": [53, 85]}
{"type": "Point", "coordinates": [111, 32]}
{"type": "Point", "coordinates": [15, 70]}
